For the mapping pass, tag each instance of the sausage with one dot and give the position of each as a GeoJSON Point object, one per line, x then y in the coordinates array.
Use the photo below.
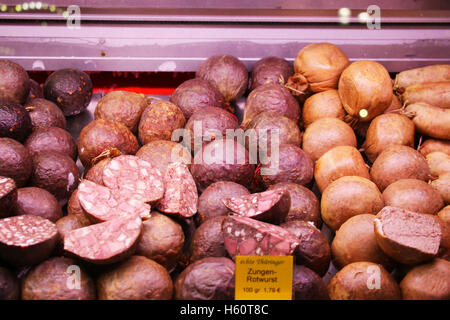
{"type": "Point", "coordinates": [434, 93]}
{"type": "Point", "coordinates": [407, 237]}
{"type": "Point", "coordinates": [36, 91]}
{"type": "Point", "coordinates": [58, 278]}
{"type": "Point", "coordinates": [27, 239]}
{"type": "Point", "coordinates": [162, 240]}
{"type": "Point", "coordinates": [8, 196]}
{"type": "Point", "coordinates": [105, 243]}
{"type": "Point", "coordinates": [210, 201]}
{"type": "Point", "coordinates": [9, 285]}
{"type": "Point", "coordinates": [430, 120]}
{"type": "Point", "coordinates": [133, 176]}
{"type": "Point", "coordinates": [44, 114]}
{"type": "Point", "coordinates": [51, 139]}
{"type": "Point", "coordinates": [314, 251]}
{"type": "Point", "coordinates": [214, 123]}
{"type": "Point", "coordinates": [101, 136]}
{"type": "Point", "coordinates": [103, 204]}
{"type": "Point", "coordinates": [160, 153]}
{"type": "Point", "coordinates": [292, 165]}
{"type": "Point", "coordinates": [69, 223]}
{"type": "Point", "coordinates": [211, 165]}
{"type": "Point", "coordinates": [74, 208]}
{"type": "Point", "coordinates": [270, 206]}
{"type": "Point", "coordinates": [433, 145]}
{"type": "Point", "coordinates": [122, 106]}
{"type": "Point", "coordinates": [438, 72]}
{"type": "Point", "coordinates": [246, 236]}
{"type": "Point", "coordinates": [15, 161]}
{"type": "Point", "coordinates": [159, 120]}
{"type": "Point", "coordinates": [180, 195]}
{"type": "Point", "coordinates": [304, 203]}
{"type": "Point", "coordinates": [206, 279]}
{"type": "Point", "coordinates": [195, 94]}
{"type": "Point", "coordinates": [95, 173]}
{"type": "Point", "coordinates": [38, 202]}
{"type": "Point", "coordinates": [55, 172]}
{"type": "Point", "coordinates": [270, 70]}
{"type": "Point", "coordinates": [137, 278]}
{"type": "Point", "coordinates": [271, 97]}
{"type": "Point", "coordinates": [208, 240]}
{"type": "Point", "coordinates": [307, 285]}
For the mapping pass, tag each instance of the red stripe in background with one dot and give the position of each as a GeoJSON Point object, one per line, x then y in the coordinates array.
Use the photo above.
{"type": "Point", "coordinates": [149, 83]}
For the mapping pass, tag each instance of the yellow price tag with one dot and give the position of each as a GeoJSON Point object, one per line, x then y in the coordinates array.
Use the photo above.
{"type": "Point", "coordinates": [263, 278]}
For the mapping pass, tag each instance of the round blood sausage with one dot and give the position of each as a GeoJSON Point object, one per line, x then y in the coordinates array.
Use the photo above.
{"type": "Point", "coordinates": [102, 204]}
{"type": "Point", "coordinates": [271, 206]}
{"type": "Point", "coordinates": [27, 239]}
{"type": "Point", "coordinates": [9, 285]}
{"type": "Point", "coordinates": [58, 278]}
{"type": "Point", "coordinates": [8, 196]}
{"type": "Point", "coordinates": [105, 243]}
{"type": "Point", "coordinates": [248, 237]}
{"type": "Point", "coordinates": [38, 202]}
{"type": "Point", "coordinates": [180, 196]}
{"type": "Point", "coordinates": [131, 175]}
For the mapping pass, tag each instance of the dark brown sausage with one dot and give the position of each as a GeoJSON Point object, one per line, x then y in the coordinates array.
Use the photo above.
{"type": "Point", "coordinates": [55, 172]}
{"type": "Point", "coordinates": [211, 164]}
{"type": "Point", "coordinates": [51, 139]}
{"type": "Point", "coordinates": [133, 176]}
{"type": "Point", "coordinates": [271, 70]}
{"type": "Point", "coordinates": [105, 243]}
{"type": "Point", "coordinates": [58, 278]}
{"type": "Point", "coordinates": [162, 240]}
{"type": "Point", "coordinates": [292, 165]}
{"type": "Point", "coordinates": [196, 94]}
{"type": "Point", "coordinates": [137, 278]}
{"type": "Point", "coordinates": [15, 161]}
{"type": "Point", "coordinates": [206, 279]}
{"type": "Point", "coordinates": [304, 203]}
{"type": "Point", "coordinates": [37, 202]}
{"type": "Point", "coordinates": [270, 206]}
{"type": "Point", "coordinates": [8, 196]}
{"type": "Point", "coordinates": [210, 201]}
{"type": "Point", "coordinates": [307, 285]}
{"type": "Point", "coordinates": [180, 195]}
{"type": "Point", "coordinates": [44, 114]}
{"type": "Point", "coordinates": [27, 239]}
{"type": "Point", "coordinates": [208, 240]}
{"type": "Point", "coordinates": [9, 285]}
{"type": "Point", "coordinates": [103, 204]}
{"type": "Point", "coordinates": [314, 251]}
{"type": "Point", "coordinates": [245, 236]}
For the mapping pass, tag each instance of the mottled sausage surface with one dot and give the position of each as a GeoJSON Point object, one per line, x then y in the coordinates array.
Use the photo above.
{"type": "Point", "coordinates": [105, 243]}
{"type": "Point", "coordinates": [133, 176]}
{"type": "Point", "coordinates": [245, 236]}
{"type": "Point", "coordinates": [27, 239]}
{"type": "Point", "coordinates": [38, 202]}
{"type": "Point", "coordinates": [180, 195]}
{"type": "Point", "coordinates": [271, 206]}
{"type": "Point", "coordinates": [15, 161]}
{"type": "Point", "coordinates": [102, 204]}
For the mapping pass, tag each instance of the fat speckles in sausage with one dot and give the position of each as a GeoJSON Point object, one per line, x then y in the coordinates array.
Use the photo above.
{"type": "Point", "coordinates": [8, 196]}
{"type": "Point", "coordinates": [27, 239]}
{"type": "Point", "coordinates": [271, 206]}
{"type": "Point", "coordinates": [106, 242]}
{"type": "Point", "coordinates": [131, 175]}
{"type": "Point", "coordinates": [246, 236]}
{"type": "Point", "coordinates": [180, 196]}
{"type": "Point", "coordinates": [102, 204]}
